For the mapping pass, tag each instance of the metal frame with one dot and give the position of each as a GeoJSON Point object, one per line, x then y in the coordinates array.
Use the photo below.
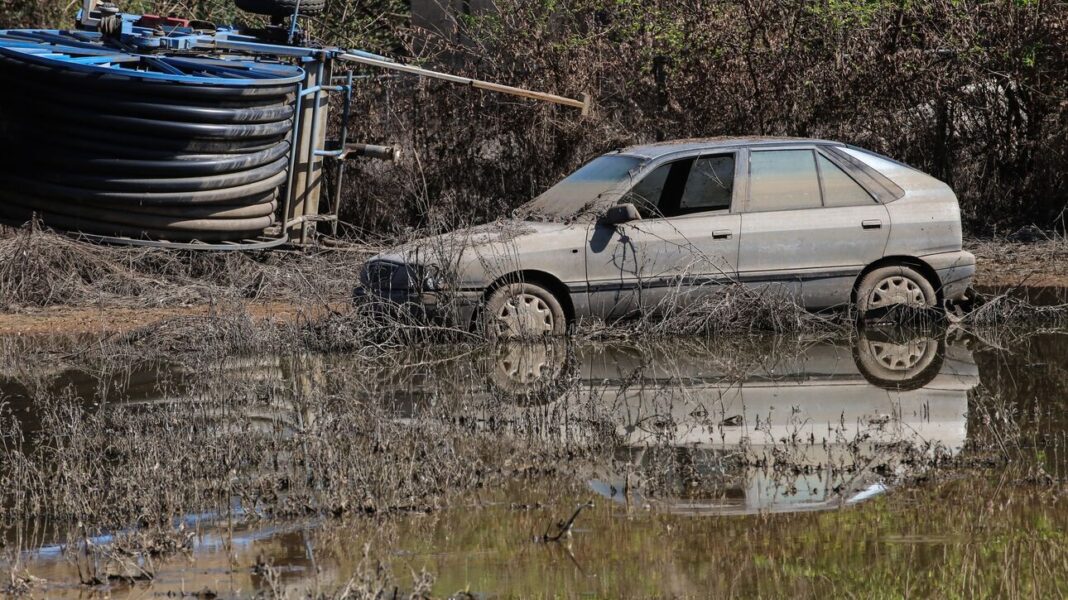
{"type": "Point", "coordinates": [236, 60]}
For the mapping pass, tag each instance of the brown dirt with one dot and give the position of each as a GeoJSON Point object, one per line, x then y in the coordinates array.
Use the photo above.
{"type": "Point", "coordinates": [104, 320]}
{"type": "Point", "coordinates": [1002, 263]}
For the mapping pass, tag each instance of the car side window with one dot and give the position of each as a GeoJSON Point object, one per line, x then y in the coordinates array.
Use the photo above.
{"type": "Point", "coordinates": [646, 195]}
{"type": "Point", "coordinates": [709, 186]}
{"type": "Point", "coordinates": [783, 180]}
{"type": "Point", "coordinates": [684, 187]}
{"type": "Point", "coordinates": [839, 189]}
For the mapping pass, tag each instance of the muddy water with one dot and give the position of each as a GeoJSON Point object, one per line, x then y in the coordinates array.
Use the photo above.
{"type": "Point", "coordinates": [886, 464]}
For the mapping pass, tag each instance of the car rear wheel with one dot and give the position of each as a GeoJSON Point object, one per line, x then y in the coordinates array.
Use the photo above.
{"type": "Point", "coordinates": [900, 360]}
{"type": "Point", "coordinates": [523, 310]}
{"type": "Point", "coordinates": [889, 287]}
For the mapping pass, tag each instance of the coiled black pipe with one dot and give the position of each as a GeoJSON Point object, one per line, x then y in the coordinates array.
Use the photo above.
{"type": "Point", "coordinates": [112, 155]}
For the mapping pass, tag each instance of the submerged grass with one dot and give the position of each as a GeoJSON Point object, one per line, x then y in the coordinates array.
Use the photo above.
{"type": "Point", "coordinates": [146, 440]}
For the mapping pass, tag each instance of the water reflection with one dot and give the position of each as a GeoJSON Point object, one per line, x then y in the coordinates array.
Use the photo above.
{"type": "Point", "coordinates": [690, 426]}
{"type": "Point", "coordinates": [674, 429]}
{"type": "Point", "coordinates": [805, 428]}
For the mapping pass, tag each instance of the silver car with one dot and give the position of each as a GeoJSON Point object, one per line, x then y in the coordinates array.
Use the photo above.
{"type": "Point", "coordinates": [654, 226]}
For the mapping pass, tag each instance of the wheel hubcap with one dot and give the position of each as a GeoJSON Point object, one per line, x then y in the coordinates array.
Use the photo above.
{"type": "Point", "coordinates": [899, 357]}
{"type": "Point", "coordinates": [524, 315]}
{"type": "Point", "coordinates": [896, 289]}
{"type": "Point", "coordinates": [525, 364]}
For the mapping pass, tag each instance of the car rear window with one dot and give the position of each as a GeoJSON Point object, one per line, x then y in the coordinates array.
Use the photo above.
{"type": "Point", "coordinates": [879, 163]}
{"type": "Point", "coordinates": [783, 180]}
{"type": "Point", "coordinates": [839, 189]}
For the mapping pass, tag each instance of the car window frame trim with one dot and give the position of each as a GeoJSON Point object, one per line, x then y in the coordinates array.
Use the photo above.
{"type": "Point", "coordinates": [695, 153]}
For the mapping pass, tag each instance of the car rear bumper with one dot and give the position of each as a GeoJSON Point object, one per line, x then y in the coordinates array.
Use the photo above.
{"type": "Point", "coordinates": [451, 309]}
{"type": "Point", "coordinates": [955, 270]}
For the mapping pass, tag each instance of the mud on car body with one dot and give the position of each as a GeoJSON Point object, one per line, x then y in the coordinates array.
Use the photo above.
{"type": "Point", "coordinates": [653, 226]}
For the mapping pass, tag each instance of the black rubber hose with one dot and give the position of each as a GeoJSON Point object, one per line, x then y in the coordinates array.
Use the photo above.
{"type": "Point", "coordinates": [167, 109]}
{"type": "Point", "coordinates": [106, 149]}
{"type": "Point", "coordinates": [176, 166]}
{"type": "Point", "coordinates": [51, 190]}
{"type": "Point", "coordinates": [65, 79]}
{"type": "Point", "coordinates": [227, 180]}
{"type": "Point", "coordinates": [119, 156]}
{"type": "Point", "coordinates": [54, 134]}
{"type": "Point", "coordinates": [171, 129]}
{"type": "Point", "coordinates": [254, 206]}
{"type": "Point", "coordinates": [18, 214]}
{"type": "Point", "coordinates": [151, 221]}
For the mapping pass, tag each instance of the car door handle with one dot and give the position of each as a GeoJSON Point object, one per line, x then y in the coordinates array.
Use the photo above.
{"type": "Point", "coordinates": [722, 234]}
{"type": "Point", "coordinates": [871, 224]}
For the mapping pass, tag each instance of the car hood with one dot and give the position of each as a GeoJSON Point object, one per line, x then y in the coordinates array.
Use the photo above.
{"type": "Point", "coordinates": [448, 247]}
{"type": "Point", "coordinates": [474, 256]}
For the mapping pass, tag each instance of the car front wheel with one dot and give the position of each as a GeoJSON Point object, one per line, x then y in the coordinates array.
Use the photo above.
{"type": "Point", "coordinates": [523, 310]}
{"type": "Point", "coordinates": [888, 287]}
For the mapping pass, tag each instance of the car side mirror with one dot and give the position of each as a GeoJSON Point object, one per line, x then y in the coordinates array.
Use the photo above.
{"type": "Point", "coordinates": [619, 214]}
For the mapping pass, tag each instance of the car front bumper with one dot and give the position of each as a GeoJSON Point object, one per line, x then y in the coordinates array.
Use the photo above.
{"type": "Point", "coordinates": [453, 309]}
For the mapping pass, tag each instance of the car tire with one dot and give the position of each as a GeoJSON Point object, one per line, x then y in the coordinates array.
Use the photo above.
{"type": "Point", "coordinates": [888, 287]}
{"type": "Point", "coordinates": [522, 310]}
{"type": "Point", "coordinates": [531, 373]}
{"type": "Point", "coordinates": [899, 360]}
{"type": "Point", "coordinates": [281, 8]}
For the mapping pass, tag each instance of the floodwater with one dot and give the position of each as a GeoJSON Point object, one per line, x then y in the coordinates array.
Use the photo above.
{"type": "Point", "coordinates": [879, 464]}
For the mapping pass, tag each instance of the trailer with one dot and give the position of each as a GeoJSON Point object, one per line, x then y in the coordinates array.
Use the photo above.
{"type": "Point", "coordinates": [164, 131]}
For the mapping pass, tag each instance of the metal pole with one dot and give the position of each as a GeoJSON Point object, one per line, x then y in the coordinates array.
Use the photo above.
{"type": "Point", "coordinates": [384, 63]}
{"type": "Point", "coordinates": [293, 22]}
{"type": "Point", "coordinates": [293, 149]}
{"type": "Point", "coordinates": [340, 163]}
{"type": "Point", "coordinates": [310, 168]}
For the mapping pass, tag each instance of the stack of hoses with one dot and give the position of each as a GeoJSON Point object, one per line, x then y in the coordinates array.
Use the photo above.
{"type": "Point", "coordinates": [114, 155]}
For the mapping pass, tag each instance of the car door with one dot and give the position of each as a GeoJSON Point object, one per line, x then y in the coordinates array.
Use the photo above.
{"type": "Point", "coordinates": [807, 227]}
{"type": "Point", "coordinates": [683, 248]}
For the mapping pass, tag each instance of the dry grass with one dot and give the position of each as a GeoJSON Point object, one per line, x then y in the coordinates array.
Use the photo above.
{"type": "Point", "coordinates": [40, 268]}
{"type": "Point", "coordinates": [1037, 259]}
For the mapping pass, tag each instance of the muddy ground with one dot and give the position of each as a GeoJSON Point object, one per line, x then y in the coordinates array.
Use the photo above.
{"type": "Point", "coordinates": [228, 427]}
{"type": "Point", "coordinates": [308, 286]}
{"type": "Point", "coordinates": [1042, 263]}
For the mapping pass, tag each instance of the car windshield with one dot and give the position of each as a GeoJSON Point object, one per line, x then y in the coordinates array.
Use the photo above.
{"type": "Point", "coordinates": [582, 188]}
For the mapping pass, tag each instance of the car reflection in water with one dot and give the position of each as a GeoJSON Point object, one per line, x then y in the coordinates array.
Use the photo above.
{"type": "Point", "coordinates": [694, 426]}
{"type": "Point", "coordinates": [705, 431]}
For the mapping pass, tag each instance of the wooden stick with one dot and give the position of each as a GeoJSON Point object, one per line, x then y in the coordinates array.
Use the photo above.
{"type": "Point", "coordinates": [475, 83]}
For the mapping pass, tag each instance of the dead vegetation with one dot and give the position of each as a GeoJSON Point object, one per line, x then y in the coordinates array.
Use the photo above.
{"type": "Point", "coordinates": [719, 311]}
{"type": "Point", "coordinates": [373, 579]}
{"type": "Point", "coordinates": [39, 268]}
{"type": "Point", "coordinates": [1028, 258]}
{"type": "Point", "coordinates": [145, 441]}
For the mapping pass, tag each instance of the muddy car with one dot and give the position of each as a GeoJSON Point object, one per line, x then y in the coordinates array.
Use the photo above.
{"type": "Point", "coordinates": [667, 224]}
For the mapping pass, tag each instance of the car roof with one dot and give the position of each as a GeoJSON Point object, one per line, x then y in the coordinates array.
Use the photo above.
{"type": "Point", "coordinates": [658, 149]}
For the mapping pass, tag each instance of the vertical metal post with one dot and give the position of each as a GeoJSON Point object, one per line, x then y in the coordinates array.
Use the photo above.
{"type": "Point", "coordinates": [294, 139]}
{"type": "Point", "coordinates": [313, 143]}
{"type": "Point", "coordinates": [307, 171]}
{"type": "Point", "coordinates": [293, 22]}
{"type": "Point", "coordinates": [345, 112]}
